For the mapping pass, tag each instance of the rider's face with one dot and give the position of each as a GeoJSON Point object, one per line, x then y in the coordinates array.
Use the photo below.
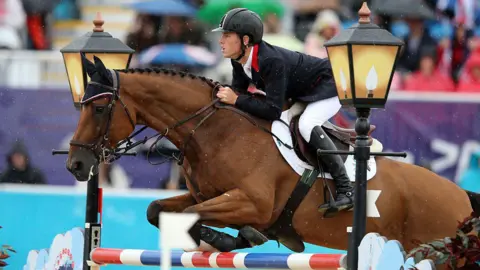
{"type": "Point", "coordinates": [230, 45]}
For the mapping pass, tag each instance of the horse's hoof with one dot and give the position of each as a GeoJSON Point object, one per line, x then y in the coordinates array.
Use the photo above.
{"type": "Point", "coordinates": [251, 234]}
{"type": "Point", "coordinates": [292, 244]}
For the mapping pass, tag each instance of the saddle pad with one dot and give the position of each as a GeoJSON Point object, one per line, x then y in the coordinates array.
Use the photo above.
{"type": "Point", "coordinates": [299, 166]}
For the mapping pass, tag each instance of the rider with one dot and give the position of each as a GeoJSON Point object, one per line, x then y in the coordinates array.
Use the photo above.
{"type": "Point", "coordinates": [282, 74]}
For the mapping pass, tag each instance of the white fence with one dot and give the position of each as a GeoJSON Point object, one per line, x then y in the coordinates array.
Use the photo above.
{"type": "Point", "coordinates": [32, 69]}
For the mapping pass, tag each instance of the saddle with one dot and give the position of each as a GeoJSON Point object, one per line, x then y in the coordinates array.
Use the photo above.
{"type": "Point", "coordinates": [339, 136]}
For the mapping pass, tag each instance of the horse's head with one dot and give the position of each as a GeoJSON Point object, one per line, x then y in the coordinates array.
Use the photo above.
{"type": "Point", "coordinates": [105, 119]}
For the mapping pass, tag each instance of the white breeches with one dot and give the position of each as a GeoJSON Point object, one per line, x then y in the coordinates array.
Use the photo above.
{"type": "Point", "coordinates": [317, 113]}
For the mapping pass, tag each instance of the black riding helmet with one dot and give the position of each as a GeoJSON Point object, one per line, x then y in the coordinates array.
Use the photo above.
{"type": "Point", "coordinates": [243, 22]}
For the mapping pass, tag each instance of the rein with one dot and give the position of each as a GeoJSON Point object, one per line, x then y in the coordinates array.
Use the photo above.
{"type": "Point", "coordinates": [217, 105]}
{"type": "Point", "coordinates": [192, 132]}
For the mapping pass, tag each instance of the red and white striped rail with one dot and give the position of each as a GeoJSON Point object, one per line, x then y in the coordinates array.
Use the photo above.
{"type": "Point", "coordinates": [140, 257]}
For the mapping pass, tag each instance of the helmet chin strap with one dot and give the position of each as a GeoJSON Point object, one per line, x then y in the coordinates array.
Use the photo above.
{"type": "Point", "coordinates": [243, 47]}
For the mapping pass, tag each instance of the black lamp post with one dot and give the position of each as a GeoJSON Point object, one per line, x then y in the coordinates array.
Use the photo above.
{"type": "Point", "coordinates": [114, 54]}
{"type": "Point", "coordinates": [363, 60]}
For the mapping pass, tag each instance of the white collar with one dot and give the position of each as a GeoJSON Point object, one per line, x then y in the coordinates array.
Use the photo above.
{"type": "Point", "coordinates": [248, 64]}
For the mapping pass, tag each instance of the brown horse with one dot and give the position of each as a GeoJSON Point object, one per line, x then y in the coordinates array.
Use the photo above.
{"type": "Point", "coordinates": [238, 178]}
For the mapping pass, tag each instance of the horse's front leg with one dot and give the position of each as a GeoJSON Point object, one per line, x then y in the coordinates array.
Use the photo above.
{"type": "Point", "coordinates": [178, 204]}
{"type": "Point", "coordinates": [237, 209]}
{"type": "Point", "coordinates": [233, 207]}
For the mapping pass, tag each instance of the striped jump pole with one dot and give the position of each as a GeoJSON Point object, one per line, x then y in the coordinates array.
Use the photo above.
{"type": "Point", "coordinates": [139, 257]}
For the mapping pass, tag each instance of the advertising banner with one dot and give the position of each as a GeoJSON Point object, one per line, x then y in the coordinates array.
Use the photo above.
{"type": "Point", "coordinates": [442, 135]}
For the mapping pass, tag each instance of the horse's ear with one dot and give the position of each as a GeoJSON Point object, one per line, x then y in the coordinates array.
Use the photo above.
{"type": "Point", "coordinates": [89, 66]}
{"type": "Point", "coordinates": [102, 70]}
{"type": "Point", "coordinates": [99, 65]}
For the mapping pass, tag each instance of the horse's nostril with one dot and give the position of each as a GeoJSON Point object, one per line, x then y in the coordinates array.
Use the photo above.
{"type": "Point", "coordinates": [77, 165]}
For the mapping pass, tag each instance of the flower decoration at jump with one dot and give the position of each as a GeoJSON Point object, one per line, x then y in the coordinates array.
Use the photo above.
{"type": "Point", "coordinates": [5, 251]}
{"type": "Point", "coordinates": [464, 247]}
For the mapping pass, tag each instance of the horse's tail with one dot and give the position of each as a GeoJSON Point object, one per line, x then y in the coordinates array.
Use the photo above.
{"type": "Point", "coordinates": [474, 201]}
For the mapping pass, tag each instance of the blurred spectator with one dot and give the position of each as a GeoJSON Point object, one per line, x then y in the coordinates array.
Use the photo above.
{"type": "Point", "coordinates": [397, 81]}
{"type": "Point", "coordinates": [305, 12]}
{"type": "Point", "coordinates": [417, 39]}
{"type": "Point", "coordinates": [428, 77]}
{"type": "Point", "coordinates": [313, 7]}
{"type": "Point", "coordinates": [38, 23]}
{"type": "Point", "coordinates": [465, 13]}
{"type": "Point", "coordinates": [177, 29]}
{"type": "Point", "coordinates": [144, 33]}
{"type": "Point", "coordinates": [471, 81]}
{"type": "Point", "coordinates": [12, 20]}
{"type": "Point", "coordinates": [326, 26]}
{"type": "Point", "coordinates": [19, 168]}
{"type": "Point", "coordinates": [182, 30]}
{"type": "Point", "coordinates": [274, 35]}
{"type": "Point", "coordinates": [453, 53]}
{"type": "Point", "coordinates": [271, 24]}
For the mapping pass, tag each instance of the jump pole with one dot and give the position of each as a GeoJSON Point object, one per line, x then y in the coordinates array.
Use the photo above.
{"type": "Point", "coordinates": [105, 256]}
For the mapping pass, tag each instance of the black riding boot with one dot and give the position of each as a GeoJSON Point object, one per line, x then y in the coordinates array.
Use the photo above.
{"type": "Point", "coordinates": [335, 166]}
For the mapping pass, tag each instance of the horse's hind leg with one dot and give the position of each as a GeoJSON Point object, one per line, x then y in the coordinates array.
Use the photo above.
{"type": "Point", "coordinates": [175, 204]}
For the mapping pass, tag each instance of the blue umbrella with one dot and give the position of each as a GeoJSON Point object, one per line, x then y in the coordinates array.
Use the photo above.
{"type": "Point", "coordinates": [180, 54]}
{"type": "Point", "coordinates": [164, 7]}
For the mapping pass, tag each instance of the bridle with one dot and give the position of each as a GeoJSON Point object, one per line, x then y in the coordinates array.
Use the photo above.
{"type": "Point", "coordinates": [100, 148]}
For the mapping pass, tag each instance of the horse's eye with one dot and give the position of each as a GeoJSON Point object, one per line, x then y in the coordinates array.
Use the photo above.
{"type": "Point", "coordinates": [99, 109]}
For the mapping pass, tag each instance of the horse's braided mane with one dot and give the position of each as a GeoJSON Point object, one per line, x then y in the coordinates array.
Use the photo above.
{"type": "Point", "coordinates": [156, 70]}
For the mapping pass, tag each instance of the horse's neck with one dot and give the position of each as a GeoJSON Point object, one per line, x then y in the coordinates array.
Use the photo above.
{"type": "Point", "coordinates": [161, 101]}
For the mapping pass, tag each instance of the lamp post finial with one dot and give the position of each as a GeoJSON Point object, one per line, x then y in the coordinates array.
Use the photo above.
{"type": "Point", "coordinates": [98, 22]}
{"type": "Point", "coordinates": [364, 13]}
